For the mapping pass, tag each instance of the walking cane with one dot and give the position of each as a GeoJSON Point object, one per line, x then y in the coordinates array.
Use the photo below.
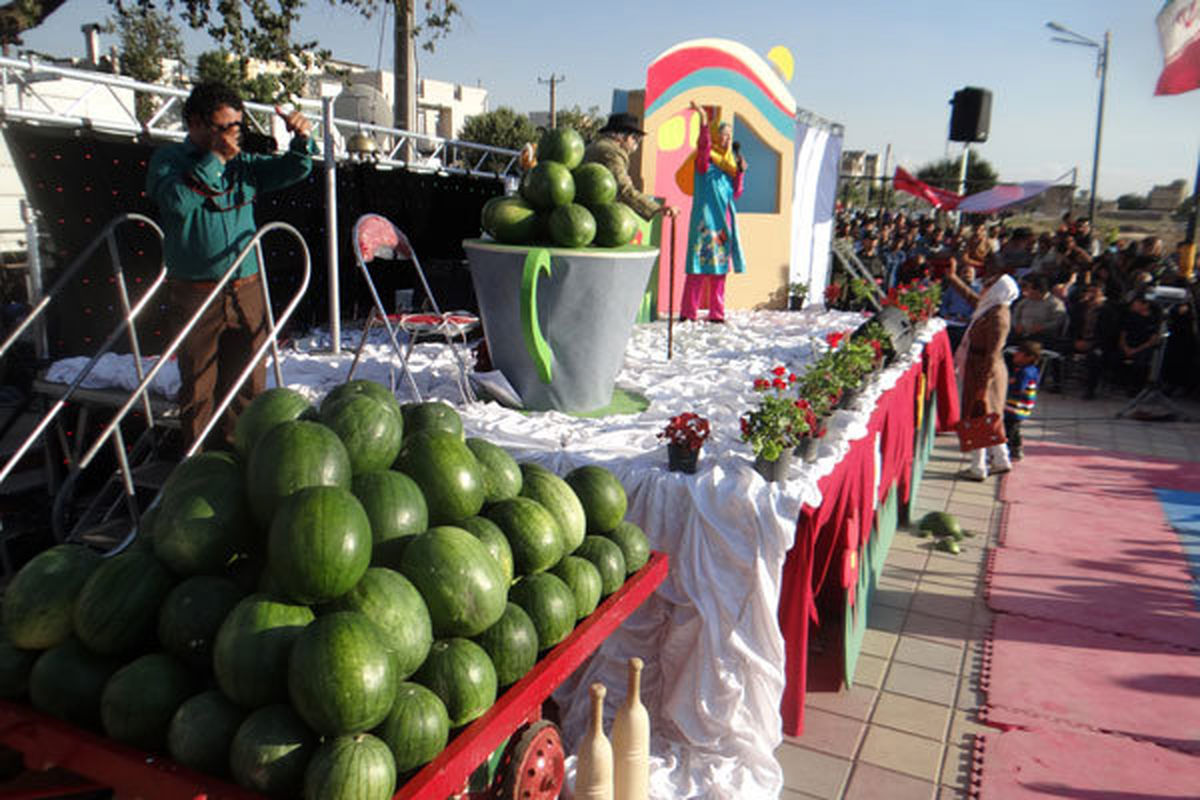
{"type": "Point", "coordinates": [671, 287]}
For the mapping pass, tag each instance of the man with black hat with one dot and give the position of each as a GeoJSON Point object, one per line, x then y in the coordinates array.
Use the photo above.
{"type": "Point", "coordinates": [617, 140]}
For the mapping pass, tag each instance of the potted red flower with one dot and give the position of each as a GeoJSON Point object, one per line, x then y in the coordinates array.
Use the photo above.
{"type": "Point", "coordinates": [684, 435]}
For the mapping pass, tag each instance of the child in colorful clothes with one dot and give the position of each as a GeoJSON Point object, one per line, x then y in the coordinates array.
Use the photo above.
{"type": "Point", "coordinates": [1022, 393]}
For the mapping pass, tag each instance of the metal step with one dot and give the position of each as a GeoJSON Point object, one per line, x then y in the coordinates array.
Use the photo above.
{"type": "Point", "coordinates": [107, 535]}
{"type": "Point", "coordinates": [152, 474]}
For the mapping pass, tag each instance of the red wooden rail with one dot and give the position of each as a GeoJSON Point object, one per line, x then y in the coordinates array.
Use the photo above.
{"type": "Point", "coordinates": [47, 742]}
{"type": "Point", "coordinates": [446, 774]}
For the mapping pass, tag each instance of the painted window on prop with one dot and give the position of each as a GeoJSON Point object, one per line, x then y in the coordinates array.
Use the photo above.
{"type": "Point", "coordinates": [761, 195]}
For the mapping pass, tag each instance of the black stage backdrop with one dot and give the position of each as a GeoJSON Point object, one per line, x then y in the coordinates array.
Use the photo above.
{"type": "Point", "coordinates": [79, 180]}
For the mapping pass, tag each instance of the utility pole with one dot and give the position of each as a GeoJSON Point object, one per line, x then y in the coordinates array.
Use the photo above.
{"type": "Point", "coordinates": [553, 80]}
{"type": "Point", "coordinates": [405, 73]}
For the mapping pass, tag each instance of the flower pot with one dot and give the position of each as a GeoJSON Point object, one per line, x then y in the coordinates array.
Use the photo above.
{"type": "Point", "coordinates": [848, 397]}
{"type": "Point", "coordinates": [807, 449]}
{"type": "Point", "coordinates": [774, 471]}
{"type": "Point", "coordinates": [681, 458]}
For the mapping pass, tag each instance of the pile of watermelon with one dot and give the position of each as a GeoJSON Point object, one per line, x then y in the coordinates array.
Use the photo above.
{"type": "Point", "coordinates": [315, 614]}
{"type": "Point", "coordinates": [562, 201]}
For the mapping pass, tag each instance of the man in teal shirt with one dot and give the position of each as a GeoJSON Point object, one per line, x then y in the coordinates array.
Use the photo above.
{"type": "Point", "coordinates": [205, 188]}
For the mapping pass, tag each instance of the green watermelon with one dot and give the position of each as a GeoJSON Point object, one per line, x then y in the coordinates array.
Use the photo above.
{"type": "Point", "coordinates": [550, 603]}
{"type": "Point", "coordinates": [607, 558]}
{"type": "Point", "coordinates": [201, 730]}
{"type": "Point", "coordinates": [511, 644]}
{"type": "Point", "coordinates": [250, 657]}
{"type": "Point", "coordinates": [572, 225]}
{"type": "Point", "coordinates": [542, 485]}
{"type": "Point", "coordinates": [68, 680]}
{"type": "Point", "coordinates": [265, 412]}
{"type": "Point", "coordinates": [271, 750]}
{"type": "Point", "coordinates": [514, 221]}
{"type": "Point", "coordinates": [446, 471]}
{"type": "Point", "coordinates": [616, 225]}
{"type": "Point", "coordinates": [563, 145]}
{"type": "Point", "coordinates": [494, 540]}
{"type": "Point", "coordinates": [393, 502]}
{"type": "Point", "coordinates": [431, 416]}
{"type": "Point", "coordinates": [141, 698]}
{"type": "Point", "coordinates": [358, 767]}
{"type": "Point", "coordinates": [117, 610]}
{"type": "Point", "coordinates": [201, 467]}
{"type": "Point", "coordinates": [368, 427]}
{"type": "Point", "coordinates": [192, 614]}
{"type": "Point", "coordinates": [417, 728]}
{"type": "Point", "coordinates": [460, 673]}
{"type": "Point", "coordinates": [594, 185]}
{"type": "Point", "coordinates": [363, 386]}
{"type": "Point", "coordinates": [601, 495]}
{"type": "Point", "coordinates": [390, 600]}
{"type": "Point", "coordinates": [501, 474]}
{"type": "Point", "coordinates": [532, 532]}
{"type": "Point", "coordinates": [39, 600]}
{"type": "Point", "coordinates": [319, 544]}
{"type": "Point", "coordinates": [548, 185]}
{"type": "Point", "coordinates": [487, 221]}
{"type": "Point", "coordinates": [462, 584]}
{"type": "Point", "coordinates": [15, 666]}
{"type": "Point", "coordinates": [292, 456]}
{"type": "Point", "coordinates": [341, 676]}
{"type": "Point", "coordinates": [584, 580]}
{"type": "Point", "coordinates": [635, 547]}
{"type": "Point", "coordinates": [202, 524]}
{"type": "Point", "coordinates": [940, 523]}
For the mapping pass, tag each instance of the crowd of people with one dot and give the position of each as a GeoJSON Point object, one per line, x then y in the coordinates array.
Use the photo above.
{"type": "Point", "coordinates": [1086, 300]}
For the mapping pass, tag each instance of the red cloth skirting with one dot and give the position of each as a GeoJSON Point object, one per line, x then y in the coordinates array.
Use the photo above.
{"type": "Point", "coordinates": [849, 497]}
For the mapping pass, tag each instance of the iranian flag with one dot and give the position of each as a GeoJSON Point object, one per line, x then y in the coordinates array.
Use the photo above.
{"type": "Point", "coordinates": [1179, 32]}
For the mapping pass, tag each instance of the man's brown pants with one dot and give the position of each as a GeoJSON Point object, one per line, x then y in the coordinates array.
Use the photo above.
{"type": "Point", "coordinates": [215, 352]}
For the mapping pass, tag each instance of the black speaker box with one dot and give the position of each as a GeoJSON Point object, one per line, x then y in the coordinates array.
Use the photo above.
{"type": "Point", "coordinates": [971, 115]}
{"type": "Point", "coordinates": [898, 326]}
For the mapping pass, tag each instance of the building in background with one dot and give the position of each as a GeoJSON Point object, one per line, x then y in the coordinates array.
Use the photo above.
{"type": "Point", "coordinates": [1168, 197]}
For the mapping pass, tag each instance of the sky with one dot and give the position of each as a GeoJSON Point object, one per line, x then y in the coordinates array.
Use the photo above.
{"type": "Point", "coordinates": [884, 69]}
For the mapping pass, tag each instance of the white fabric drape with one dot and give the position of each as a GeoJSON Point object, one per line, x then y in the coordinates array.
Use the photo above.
{"type": "Point", "coordinates": [814, 192]}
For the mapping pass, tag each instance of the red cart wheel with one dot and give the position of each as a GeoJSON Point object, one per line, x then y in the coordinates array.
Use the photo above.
{"type": "Point", "coordinates": [533, 768]}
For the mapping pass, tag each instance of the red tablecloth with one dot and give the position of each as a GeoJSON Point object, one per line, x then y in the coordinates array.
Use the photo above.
{"type": "Point", "coordinates": [847, 507]}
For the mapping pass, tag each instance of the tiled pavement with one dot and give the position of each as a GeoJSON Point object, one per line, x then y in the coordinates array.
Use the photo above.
{"type": "Point", "coordinates": [905, 730]}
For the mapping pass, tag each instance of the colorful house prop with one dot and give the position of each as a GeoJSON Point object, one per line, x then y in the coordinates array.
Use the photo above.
{"type": "Point", "coordinates": [745, 89]}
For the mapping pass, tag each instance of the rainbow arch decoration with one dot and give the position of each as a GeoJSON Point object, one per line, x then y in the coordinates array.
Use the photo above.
{"type": "Point", "coordinates": [746, 90]}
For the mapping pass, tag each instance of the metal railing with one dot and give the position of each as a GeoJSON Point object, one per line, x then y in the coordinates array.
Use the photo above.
{"type": "Point", "coordinates": [24, 99]}
{"type": "Point", "coordinates": [130, 313]}
{"type": "Point", "coordinates": [140, 395]}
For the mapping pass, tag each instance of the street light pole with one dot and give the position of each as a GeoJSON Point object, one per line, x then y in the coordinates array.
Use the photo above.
{"type": "Point", "coordinates": [1102, 53]}
{"type": "Point", "coordinates": [1103, 67]}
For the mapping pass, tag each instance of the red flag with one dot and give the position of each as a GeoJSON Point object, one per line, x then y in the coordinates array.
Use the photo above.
{"type": "Point", "coordinates": [938, 198]}
{"type": "Point", "coordinates": [1179, 33]}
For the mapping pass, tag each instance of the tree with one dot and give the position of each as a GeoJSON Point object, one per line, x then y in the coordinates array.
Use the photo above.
{"type": "Point", "coordinates": [221, 66]}
{"type": "Point", "coordinates": [260, 29]}
{"type": "Point", "coordinates": [147, 38]}
{"type": "Point", "coordinates": [944, 174]}
{"type": "Point", "coordinates": [500, 128]}
{"type": "Point", "coordinates": [1132, 202]}
{"type": "Point", "coordinates": [586, 122]}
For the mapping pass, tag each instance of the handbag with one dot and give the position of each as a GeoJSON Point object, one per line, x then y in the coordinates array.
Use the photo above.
{"type": "Point", "coordinates": [976, 432]}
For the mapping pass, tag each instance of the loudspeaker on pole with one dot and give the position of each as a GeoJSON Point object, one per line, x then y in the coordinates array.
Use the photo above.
{"type": "Point", "coordinates": [971, 114]}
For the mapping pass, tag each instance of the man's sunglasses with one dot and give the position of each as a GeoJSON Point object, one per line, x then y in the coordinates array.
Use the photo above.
{"type": "Point", "coordinates": [228, 126]}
